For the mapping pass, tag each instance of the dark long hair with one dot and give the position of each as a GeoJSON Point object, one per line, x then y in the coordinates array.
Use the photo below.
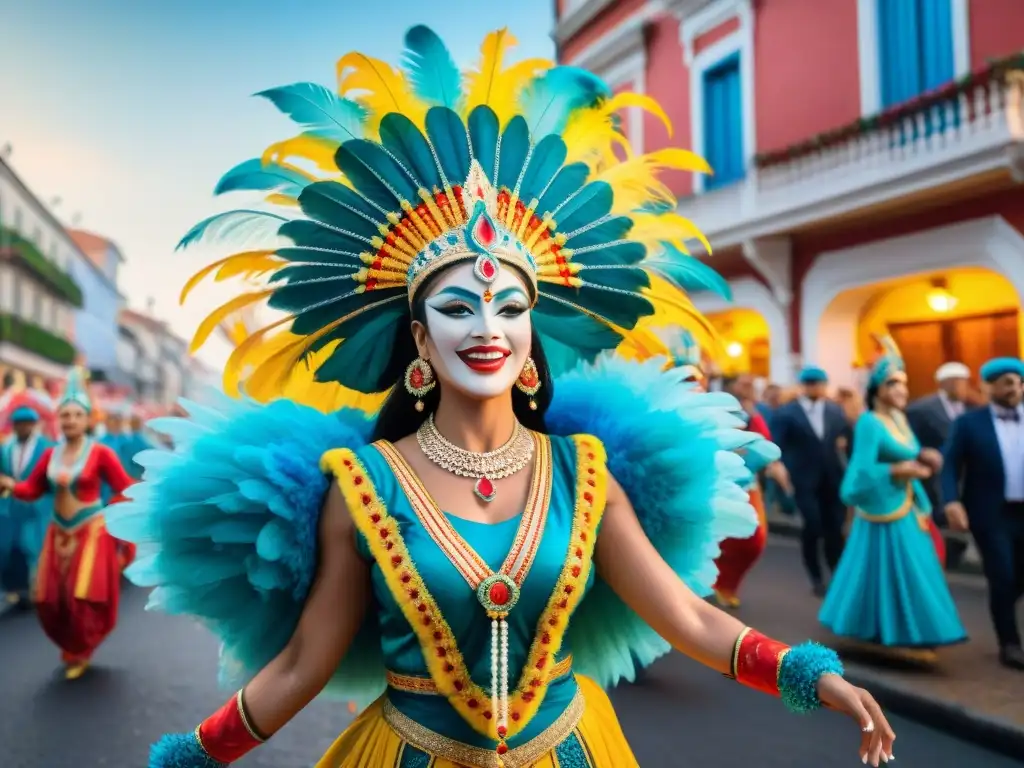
{"type": "Point", "coordinates": [871, 396]}
{"type": "Point", "coordinates": [398, 416]}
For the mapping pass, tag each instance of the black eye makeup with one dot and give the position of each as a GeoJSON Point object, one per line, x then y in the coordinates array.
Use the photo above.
{"type": "Point", "coordinates": [455, 309]}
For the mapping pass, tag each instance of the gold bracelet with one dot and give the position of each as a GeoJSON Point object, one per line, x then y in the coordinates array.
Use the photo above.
{"type": "Point", "coordinates": [245, 719]}
{"type": "Point", "coordinates": [736, 652]}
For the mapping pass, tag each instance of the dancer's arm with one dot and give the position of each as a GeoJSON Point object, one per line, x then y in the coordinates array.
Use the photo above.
{"type": "Point", "coordinates": [33, 487]}
{"type": "Point", "coordinates": [331, 618]}
{"type": "Point", "coordinates": [112, 472]}
{"type": "Point", "coordinates": [633, 568]}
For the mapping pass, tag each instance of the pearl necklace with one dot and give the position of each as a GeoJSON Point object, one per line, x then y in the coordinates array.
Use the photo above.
{"type": "Point", "coordinates": [500, 463]}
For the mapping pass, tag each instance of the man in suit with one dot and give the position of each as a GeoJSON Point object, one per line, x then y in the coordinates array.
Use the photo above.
{"type": "Point", "coordinates": [807, 430]}
{"type": "Point", "coordinates": [931, 418]}
{"type": "Point", "coordinates": [983, 487]}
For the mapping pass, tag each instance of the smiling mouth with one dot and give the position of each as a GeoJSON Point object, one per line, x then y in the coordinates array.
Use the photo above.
{"type": "Point", "coordinates": [484, 359]}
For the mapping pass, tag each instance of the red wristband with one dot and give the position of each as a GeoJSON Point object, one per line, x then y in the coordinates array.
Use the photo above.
{"type": "Point", "coordinates": [756, 660]}
{"type": "Point", "coordinates": [227, 734]}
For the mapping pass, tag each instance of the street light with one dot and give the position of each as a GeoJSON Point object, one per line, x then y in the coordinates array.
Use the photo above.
{"type": "Point", "coordinates": [734, 349]}
{"type": "Point", "coordinates": [939, 299]}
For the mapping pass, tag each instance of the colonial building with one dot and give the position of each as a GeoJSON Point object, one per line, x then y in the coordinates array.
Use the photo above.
{"type": "Point", "coordinates": [38, 293]}
{"type": "Point", "coordinates": [868, 158]}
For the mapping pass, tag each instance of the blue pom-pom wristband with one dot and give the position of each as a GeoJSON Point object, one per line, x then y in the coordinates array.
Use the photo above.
{"type": "Point", "coordinates": [181, 750]}
{"type": "Point", "coordinates": [801, 669]}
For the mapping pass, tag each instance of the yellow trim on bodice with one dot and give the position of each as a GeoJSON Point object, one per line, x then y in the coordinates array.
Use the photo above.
{"type": "Point", "coordinates": [440, 649]}
{"type": "Point", "coordinates": [426, 686]}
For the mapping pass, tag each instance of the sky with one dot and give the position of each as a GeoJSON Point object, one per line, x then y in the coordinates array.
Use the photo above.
{"type": "Point", "coordinates": [130, 110]}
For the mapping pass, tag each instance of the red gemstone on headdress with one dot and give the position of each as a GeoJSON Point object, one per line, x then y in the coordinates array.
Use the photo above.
{"type": "Point", "coordinates": [487, 269]}
{"type": "Point", "coordinates": [485, 233]}
{"type": "Point", "coordinates": [499, 593]}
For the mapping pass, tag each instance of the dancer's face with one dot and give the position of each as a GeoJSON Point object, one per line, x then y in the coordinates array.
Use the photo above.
{"type": "Point", "coordinates": [477, 335]}
{"type": "Point", "coordinates": [74, 420]}
{"type": "Point", "coordinates": [894, 392]}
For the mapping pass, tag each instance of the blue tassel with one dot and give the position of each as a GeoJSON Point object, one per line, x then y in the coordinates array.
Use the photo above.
{"type": "Point", "coordinates": [180, 750]}
{"type": "Point", "coordinates": [801, 669]}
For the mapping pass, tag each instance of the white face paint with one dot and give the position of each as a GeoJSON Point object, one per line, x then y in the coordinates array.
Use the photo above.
{"type": "Point", "coordinates": [478, 335]}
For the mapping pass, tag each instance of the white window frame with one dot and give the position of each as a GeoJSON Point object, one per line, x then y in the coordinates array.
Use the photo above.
{"type": "Point", "coordinates": [739, 41]}
{"type": "Point", "coordinates": [870, 64]}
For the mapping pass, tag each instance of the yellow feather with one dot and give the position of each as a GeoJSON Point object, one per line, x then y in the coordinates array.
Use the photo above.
{"type": "Point", "coordinates": [317, 150]}
{"type": "Point", "coordinates": [672, 308]}
{"type": "Point", "coordinates": [278, 199]}
{"type": "Point", "coordinates": [384, 89]}
{"type": "Point", "coordinates": [237, 264]}
{"type": "Point", "coordinates": [255, 348]}
{"type": "Point", "coordinates": [637, 101]}
{"type": "Point", "coordinates": [653, 228]}
{"type": "Point", "coordinates": [590, 137]}
{"type": "Point", "coordinates": [212, 321]}
{"type": "Point", "coordinates": [635, 183]}
{"type": "Point", "coordinates": [495, 86]}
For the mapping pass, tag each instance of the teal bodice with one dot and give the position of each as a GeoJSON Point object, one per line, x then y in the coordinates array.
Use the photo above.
{"type": "Point", "coordinates": [556, 556]}
{"type": "Point", "coordinates": [878, 443]}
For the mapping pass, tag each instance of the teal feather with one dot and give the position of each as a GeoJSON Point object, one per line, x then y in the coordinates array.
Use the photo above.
{"type": "Point", "coordinates": [338, 205]}
{"type": "Point", "coordinates": [313, 234]}
{"type": "Point", "coordinates": [267, 177]}
{"type": "Point", "coordinates": [615, 228]}
{"type": "Point", "coordinates": [243, 224]}
{"type": "Point", "coordinates": [515, 145]}
{"type": "Point", "coordinates": [451, 142]}
{"type": "Point", "coordinates": [483, 133]}
{"type": "Point", "coordinates": [324, 294]}
{"type": "Point", "coordinates": [405, 141]}
{"type": "Point", "coordinates": [568, 181]}
{"type": "Point", "coordinates": [590, 204]}
{"type": "Point", "coordinates": [686, 272]}
{"type": "Point", "coordinates": [432, 72]}
{"type": "Point", "coordinates": [375, 175]}
{"type": "Point", "coordinates": [618, 307]}
{"type": "Point", "coordinates": [371, 344]}
{"type": "Point", "coordinates": [618, 253]}
{"type": "Point", "coordinates": [545, 162]}
{"type": "Point", "coordinates": [551, 98]}
{"type": "Point", "coordinates": [585, 334]}
{"type": "Point", "coordinates": [319, 110]}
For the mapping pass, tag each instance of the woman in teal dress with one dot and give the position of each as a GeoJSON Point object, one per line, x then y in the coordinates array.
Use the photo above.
{"type": "Point", "coordinates": [889, 588]}
{"type": "Point", "coordinates": [523, 518]}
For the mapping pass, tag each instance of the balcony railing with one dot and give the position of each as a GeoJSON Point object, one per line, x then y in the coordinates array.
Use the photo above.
{"type": "Point", "coordinates": [59, 281]}
{"type": "Point", "coordinates": [967, 128]}
{"type": "Point", "coordinates": [34, 338]}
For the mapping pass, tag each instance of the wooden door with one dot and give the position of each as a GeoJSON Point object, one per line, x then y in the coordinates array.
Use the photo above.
{"type": "Point", "coordinates": [922, 349]}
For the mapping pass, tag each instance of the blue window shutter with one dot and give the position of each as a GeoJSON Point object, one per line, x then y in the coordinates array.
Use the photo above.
{"type": "Point", "coordinates": [723, 122]}
{"type": "Point", "coordinates": [899, 30]}
{"type": "Point", "coordinates": [936, 35]}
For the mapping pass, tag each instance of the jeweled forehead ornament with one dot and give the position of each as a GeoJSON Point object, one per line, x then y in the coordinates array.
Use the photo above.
{"type": "Point", "coordinates": [481, 238]}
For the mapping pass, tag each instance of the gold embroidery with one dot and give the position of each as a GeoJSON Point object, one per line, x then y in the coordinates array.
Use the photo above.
{"type": "Point", "coordinates": [459, 753]}
{"type": "Point", "coordinates": [440, 649]}
{"type": "Point", "coordinates": [87, 563]}
{"type": "Point", "coordinates": [426, 686]}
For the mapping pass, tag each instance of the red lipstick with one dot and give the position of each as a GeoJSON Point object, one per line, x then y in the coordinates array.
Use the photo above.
{"type": "Point", "coordinates": [484, 359]}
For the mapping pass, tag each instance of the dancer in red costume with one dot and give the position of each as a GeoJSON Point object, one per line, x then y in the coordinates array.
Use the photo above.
{"type": "Point", "coordinates": [78, 579]}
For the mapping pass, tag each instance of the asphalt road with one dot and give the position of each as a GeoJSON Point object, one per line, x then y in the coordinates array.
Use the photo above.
{"type": "Point", "coordinates": [157, 673]}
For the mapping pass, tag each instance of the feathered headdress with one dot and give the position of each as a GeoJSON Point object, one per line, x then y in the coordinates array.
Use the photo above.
{"type": "Point", "coordinates": [519, 165]}
{"type": "Point", "coordinates": [684, 352]}
{"type": "Point", "coordinates": [76, 390]}
{"type": "Point", "coordinates": [888, 363]}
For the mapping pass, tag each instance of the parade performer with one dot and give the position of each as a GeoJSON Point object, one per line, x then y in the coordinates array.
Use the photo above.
{"type": "Point", "coordinates": [22, 524]}
{"type": "Point", "coordinates": [504, 543]}
{"type": "Point", "coordinates": [984, 493]}
{"type": "Point", "coordinates": [890, 589]}
{"type": "Point", "coordinates": [78, 577]}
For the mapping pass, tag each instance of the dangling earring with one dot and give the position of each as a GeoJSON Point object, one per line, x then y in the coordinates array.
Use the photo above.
{"type": "Point", "coordinates": [419, 380]}
{"type": "Point", "coordinates": [529, 381]}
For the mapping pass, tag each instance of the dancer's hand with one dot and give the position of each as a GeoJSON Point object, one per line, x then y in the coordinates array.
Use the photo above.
{"type": "Point", "coordinates": [910, 470]}
{"type": "Point", "coordinates": [956, 516]}
{"type": "Point", "coordinates": [6, 484]}
{"type": "Point", "coordinates": [876, 734]}
{"type": "Point", "coordinates": [930, 458]}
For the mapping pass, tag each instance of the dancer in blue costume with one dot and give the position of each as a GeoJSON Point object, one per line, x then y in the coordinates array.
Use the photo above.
{"type": "Point", "coordinates": [22, 523]}
{"type": "Point", "coordinates": [889, 588]}
{"type": "Point", "coordinates": [135, 442]}
{"type": "Point", "coordinates": [484, 554]}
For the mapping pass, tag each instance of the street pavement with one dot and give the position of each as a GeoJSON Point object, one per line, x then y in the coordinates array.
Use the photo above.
{"type": "Point", "coordinates": [158, 673]}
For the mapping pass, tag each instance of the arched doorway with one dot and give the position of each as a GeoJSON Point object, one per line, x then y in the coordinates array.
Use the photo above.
{"type": "Point", "coordinates": [849, 294]}
{"type": "Point", "coordinates": [754, 325]}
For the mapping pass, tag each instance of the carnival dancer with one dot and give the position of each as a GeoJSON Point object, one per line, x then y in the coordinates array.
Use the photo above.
{"type": "Point", "coordinates": [889, 589]}
{"type": "Point", "coordinates": [808, 431]}
{"type": "Point", "coordinates": [22, 524]}
{"type": "Point", "coordinates": [78, 578]}
{"type": "Point", "coordinates": [983, 487]}
{"type": "Point", "coordinates": [501, 537]}
{"type": "Point", "coordinates": [740, 555]}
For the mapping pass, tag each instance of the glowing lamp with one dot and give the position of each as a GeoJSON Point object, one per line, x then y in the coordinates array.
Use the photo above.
{"type": "Point", "coordinates": [734, 349]}
{"type": "Point", "coordinates": [941, 300]}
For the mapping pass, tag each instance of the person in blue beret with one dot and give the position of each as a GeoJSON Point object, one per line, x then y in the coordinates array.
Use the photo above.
{"type": "Point", "coordinates": [22, 524]}
{"type": "Point", "coordinates": [890, 588]}
{"type": "Point", "coordinates": [808, 431]}
{"type": "Point", "coordinates": [983, 491]}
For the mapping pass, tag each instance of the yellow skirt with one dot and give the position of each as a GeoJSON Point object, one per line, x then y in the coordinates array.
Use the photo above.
{"type": "Point", "coordinates": [589, 737]}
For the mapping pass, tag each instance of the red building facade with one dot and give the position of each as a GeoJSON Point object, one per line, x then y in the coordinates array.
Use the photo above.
{"type": "Point", "coordinates": [859, 146]}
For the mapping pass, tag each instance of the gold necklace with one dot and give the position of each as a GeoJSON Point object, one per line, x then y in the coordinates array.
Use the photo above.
{"type": "Point", "coordinates": [485, 468]}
